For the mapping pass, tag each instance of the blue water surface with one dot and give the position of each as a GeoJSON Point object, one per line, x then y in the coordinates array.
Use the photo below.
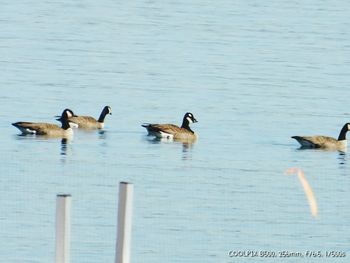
{"type": "Point", "coordinates": [253, 73]}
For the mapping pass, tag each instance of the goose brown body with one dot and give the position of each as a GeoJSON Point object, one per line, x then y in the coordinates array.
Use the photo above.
{"type": "Point", "coordinates": [169, 131]}
{"type": "Point", "coordinates": [88, 122]}
{"type": "Point", "coordinates": [172, 131]}
{"type": "Point", "coordinates": [319, 141]}
{"type": "Point", "coordinates": [47, 129]}
{"type": "Point", "coordinates": [325, 142]}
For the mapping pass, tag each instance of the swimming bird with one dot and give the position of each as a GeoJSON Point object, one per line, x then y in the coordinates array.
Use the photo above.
{"type": "Point", "coordinates": [47, 129]}
{"type": "Point", "coordinates": [88, 122]}
{"type": "Point", "coordinates": [325, 142]}
{"type": "Point", "coordinates": [171, 131]}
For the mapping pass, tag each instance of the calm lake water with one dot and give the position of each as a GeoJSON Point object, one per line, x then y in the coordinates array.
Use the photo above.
{"type": "Point", "coordinates": [253, 73]}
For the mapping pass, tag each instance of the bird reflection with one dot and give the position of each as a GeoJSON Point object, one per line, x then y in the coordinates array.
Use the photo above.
{"type": "Point", "coordinates": [187, 145]}
{"type": "Point", "coordinates": [187, 150]}
{"type": "Point", "coordinates": [64, 147]}
{"type": "Point", "coordinates": [102, 134]}
{"type": "Point", "coordinates": [342, 158]}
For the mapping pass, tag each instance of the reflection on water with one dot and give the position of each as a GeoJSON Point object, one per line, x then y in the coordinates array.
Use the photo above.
{"type": "Point", "coordinates": [23, 136]}
{"type": "Point", "coordinates": [342, 158]}
{"type": "Point", "coordinates": [187, 145]}
{"type": "Point", "coordinates": [187, 142]}
{"type": "Point", "coordinates": [187, 150]}
{"type": "Point", "coordinates": [64, 143]}
{"type": "Point", "coordinates": [102, 134]}
{"type": "Point", "coordinates": [170, 140]}
{"type": "Point", "coordinates": [304, 148]}
{"type": "Point", "coordinates": [65, 149]}
{"type": "Point", "coordinates": [342, 154]}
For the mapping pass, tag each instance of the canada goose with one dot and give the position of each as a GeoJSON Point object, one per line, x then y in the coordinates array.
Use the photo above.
{"type": "Point", "coordinates": [325, 142]}
{"type": "Point", "coordinates": [47, 129]}
{"type": "Point", "coordinates": [171, 131]}
{"type": "Point", "coordinates": [88, 122]}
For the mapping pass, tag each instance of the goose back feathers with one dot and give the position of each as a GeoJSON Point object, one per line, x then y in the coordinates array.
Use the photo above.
{"type": "Point", "coordinates": [172, 131]}
{"type": "Point", "coordinates": [47, 129]}
{"type": "Point", "coordinates": [88, 122]}
{"type": "Point", "coordinates": [325, 142]}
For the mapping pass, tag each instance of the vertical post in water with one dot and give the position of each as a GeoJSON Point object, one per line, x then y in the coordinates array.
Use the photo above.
{"type": "Point", "coordinates": [124, 223]}
{"type": "Point", "coordinates": [63, 205]}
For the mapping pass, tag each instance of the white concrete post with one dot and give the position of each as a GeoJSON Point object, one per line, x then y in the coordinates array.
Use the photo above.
{"type": "Point", "coordinates": [63, 205]}
{"type": "Point", "coordinates": [124, 222]}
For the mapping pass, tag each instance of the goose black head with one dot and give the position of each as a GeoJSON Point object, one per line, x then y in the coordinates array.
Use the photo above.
{"type": "Point", "coordinates": [190, 118]}
{"type": "Point", "coordinates": [67, 113]}
{"type": "Point", "coordinates": [107, 110]}
{"type": "Point", "coordinates": [64, 119]}
{"type": "Point", "coordinates": [187, 120]}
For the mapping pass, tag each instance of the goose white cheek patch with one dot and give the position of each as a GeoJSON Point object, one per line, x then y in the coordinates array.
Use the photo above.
{"type": "Point", "coordinates": [73, 125]}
